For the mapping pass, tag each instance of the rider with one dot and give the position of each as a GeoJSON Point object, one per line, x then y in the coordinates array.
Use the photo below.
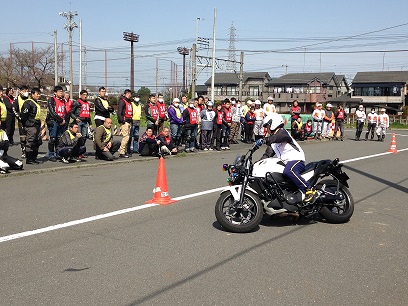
{"type": "Point", "coordinates": [281, 144]}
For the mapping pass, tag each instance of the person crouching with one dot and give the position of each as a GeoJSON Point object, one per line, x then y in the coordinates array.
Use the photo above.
{"type": "Point", "coordinates": [167, 145]}
{"type": "Point", "coordinates": [71, 144]}
{"type": "Point", "coordinates": [105, 146]}
{"type": "Point", "coordinates": [148, 144]}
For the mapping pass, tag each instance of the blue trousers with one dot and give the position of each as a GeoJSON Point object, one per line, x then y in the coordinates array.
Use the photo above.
{"type": "Point", "coordinates": [292, 171]}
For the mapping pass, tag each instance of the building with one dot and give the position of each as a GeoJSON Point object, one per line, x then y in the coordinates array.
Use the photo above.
{"type": "Point", "coordinates": [381, 89]}
{"type": "Point", "coordinates": [254, 85]}
{"type": "Point", "coordinates": [307, 88]}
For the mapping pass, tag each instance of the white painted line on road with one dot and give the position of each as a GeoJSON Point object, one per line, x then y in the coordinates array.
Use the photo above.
{"type": "Point", "coordinates": [131, 209]}
{"type": "Point", "coordinates": [370, 156]}
{"type": "Point", "coordinates": [98, 217]}
{"type": "Point", "coordinates": [72, 223]}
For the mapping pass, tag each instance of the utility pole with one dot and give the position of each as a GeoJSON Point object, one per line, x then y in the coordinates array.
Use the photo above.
{"type": "Point", "coordinates": [231, 64]}
{"type": "Point", "coordinates": [157, 74]}
{"type": "Point", "coordinates": [132, 38]}
{"type": "Point", "coordinates": [213, 58]}
{"type": "Point", "coordinates": [55, 59]}
{"type": "Point", "coordinates": [85, 67]}
{"type": "Point", "coordinates": [193, 70]}
{"type": "Point", "coordinates": [80, 57]}
{"type": "Point", "coordinates": [241, 75]}
{"type": "Point", "coordinates": [184, 51]}
{"type": "Point", "coordinates": [70, 26]}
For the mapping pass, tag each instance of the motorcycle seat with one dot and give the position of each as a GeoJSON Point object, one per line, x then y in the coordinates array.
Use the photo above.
{"type": "Point", "coordinates": [313, 165]}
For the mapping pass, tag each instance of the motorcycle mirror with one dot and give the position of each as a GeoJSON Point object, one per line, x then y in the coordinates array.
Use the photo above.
{"type": "Point", "coordinates": [224, 167]}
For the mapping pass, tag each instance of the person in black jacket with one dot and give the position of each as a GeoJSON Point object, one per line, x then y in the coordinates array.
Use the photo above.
{"type": "Point", "coordinates": [190, 116]}
{"type": "Point", "coordinates": [30, 119]}
{"type": "Point", "coordinates": [148, 144]}
{"type": "Point", "coordinates": [102, 107]}
{"type": "Point", "coordinates": [71, 145]}
{"type": "Point", "coordinates": [55, 120]}
{"type": "Point", "coordinates": [81, 113]}
{"type": "Point", "coordinates": [11, 117]}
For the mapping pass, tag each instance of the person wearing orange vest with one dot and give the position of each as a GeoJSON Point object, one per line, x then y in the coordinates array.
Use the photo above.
{"type": "Point", "coordinates": [190, 116]}
{"type": "Point", "coordinates": [250, 119]}
{"type": "Point", "coordinates": [383, 124]}
{"type": "Point", "coordinates": [71, 145]}
{"type": "Point", "coordinates": [125, 114]}
{"type": "Point", "coordinates": [30, 119]}
{"type": "Point", "coordinates": [217, 129]}
{"type": "Point", "coordinates": [69, 103]}
{"type": "Point", "coordinates": [372, 120]}
{"type": "Point", "coordinates": [163, 116]}
{"type": "Point", "coordinates": [55, 121]}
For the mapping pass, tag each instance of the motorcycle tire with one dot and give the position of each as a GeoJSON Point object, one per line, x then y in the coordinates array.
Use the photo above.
{"type": "Point", "coordinates": [239, 220]}
{"type": "Point", "coordinates": [337, 213]}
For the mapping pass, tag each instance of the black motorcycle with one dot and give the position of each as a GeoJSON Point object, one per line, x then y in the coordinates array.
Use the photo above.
{"type": "Point", "coordinates": [261, 188]}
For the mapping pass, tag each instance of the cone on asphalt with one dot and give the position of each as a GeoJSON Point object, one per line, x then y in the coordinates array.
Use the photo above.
{"type": "Point", "coordinates": [161, 191]}
{"type": "Point", "coordinates": [393, 145]}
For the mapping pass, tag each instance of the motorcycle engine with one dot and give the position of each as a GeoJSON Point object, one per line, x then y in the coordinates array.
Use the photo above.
{"type": "Point", "coordinates": [292, 197]}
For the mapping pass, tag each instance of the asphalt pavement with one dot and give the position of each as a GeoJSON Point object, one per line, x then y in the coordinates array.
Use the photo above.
{"type": "Point", "coordinates": [179, 255]}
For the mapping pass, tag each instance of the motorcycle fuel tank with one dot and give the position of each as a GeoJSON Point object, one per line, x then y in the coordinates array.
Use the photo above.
{"type": "Point", "coordinates": [271, 165]}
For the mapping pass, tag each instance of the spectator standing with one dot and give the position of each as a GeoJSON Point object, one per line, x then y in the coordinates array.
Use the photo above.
{"type": "Point", "coordinates": [236, 121]}
{"type": "Point", "coordinates": [184, 102]}
{"type": "Point", "coordinates": [269, 108]}
{"type": "Point", "coordinates": [258, 126]}
{"type": "Point", "coordinates": [317, 117]}
{"type": "Point", "coordinates": [295, 111]}
{"type": "Point", "coordinates": [105, 146]}
{"type": "Point", "coordinates": [227, 121]}
{"type": "Point", "coordinates": [383, 124]}
{"type": "Point", "coordinates": [360, 118]}
{"type": "Point", "coordinates": [372, 120]}
{"type": "Point", "coordinates": [11, 117]}
{"type": "Point", "coordinates": [152, 114]}
{"type": "Point", "coordinates": [30, 119]}
{"type": "Point", "coordinates": [102, 107]}
{"type": "Point", "coordinates": [68, 108]}
{"type": "Point", "coordinates": [217, 128]}
{"type": "Point", "coordinates": [163, 116]}
{"type": "Point", "coordinates": [244, 111]}
{"type": "Point", "coordinates": [3, 111]}
{"type": "Point", "coordinates": [81, 114]}
{"type": "Point", "coordinates": [328, 119]}
{"type": "Point", "coordinates": [340, 117]}
{"type": "Point", "coordinates": [71, 145]}
{"type": "Point", "coordinates": [190, 116]}
{"type": "Point", "coordinates": [55, 121]}
{"type": "Point", "coordinates": [207, 124]}
{"type": "Point", "coordinates": [250, 119]}
{"type": "Point", "coordinates": [134, 132]}
{"type": "Point", "coordinates": [17, 105]}
{"type": "Point", "coordinates": [125, 114]}
{"type": "Point", "coordinates": [175, 113]}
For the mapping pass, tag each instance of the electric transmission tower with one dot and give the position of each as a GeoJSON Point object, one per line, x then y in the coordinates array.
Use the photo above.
{"type": "Point", "coordinates": [231, 65]}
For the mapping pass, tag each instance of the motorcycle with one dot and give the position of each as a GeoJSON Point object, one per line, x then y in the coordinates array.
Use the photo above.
{"type": "Point", "coordinates": [261, 188]}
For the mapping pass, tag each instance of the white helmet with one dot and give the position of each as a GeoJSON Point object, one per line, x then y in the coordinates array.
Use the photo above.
{"type": "Point", "coordinates": [274, 121]}
{"type": "Point", "coordinates": [210, 103]}
{"type": "Point", "coordinates": [257, 102]}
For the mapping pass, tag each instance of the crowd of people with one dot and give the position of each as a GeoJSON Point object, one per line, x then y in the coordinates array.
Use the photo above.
{"type": "Point", "coordinates": [185, 125]}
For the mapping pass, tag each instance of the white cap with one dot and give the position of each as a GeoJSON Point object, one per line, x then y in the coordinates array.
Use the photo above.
{"type": "Point", "coordinates": [176, 100]}
{"type": "Point", "coordinates": [382, 110]}
{"type": "Point", "coordinates": [318, 104]}
{"type": "Point", "coordinates": [328, 105]}
{"type": "Point", "coordinates": [270, 98]}
{"type": "Point", "coordinates": [249, 102]}
{"type": "Point", "coordinates": [257, 102]}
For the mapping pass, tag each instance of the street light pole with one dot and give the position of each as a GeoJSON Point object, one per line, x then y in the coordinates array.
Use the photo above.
{"type": "Point", "coordinates": [70, 26]}
{"type": "Point", "coordinates": [184, 51]}
{"type": "Point", "coordinates": [132, 38]}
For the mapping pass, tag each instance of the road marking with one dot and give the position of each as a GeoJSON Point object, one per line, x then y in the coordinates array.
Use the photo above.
{"type": "Point", "coordinates": [369, 156]}
{"type": "Point", "coordinates": [135, 208]}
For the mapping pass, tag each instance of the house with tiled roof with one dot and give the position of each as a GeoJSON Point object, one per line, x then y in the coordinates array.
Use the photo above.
{"type": "Point", "coordinates": [307, 88]}
{"type": "Point", "coordinates": [226, 85]}
{"type": "Point", "coordinates": [381, 88]}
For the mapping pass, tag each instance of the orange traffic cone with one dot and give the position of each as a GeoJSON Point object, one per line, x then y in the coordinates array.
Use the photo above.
{"type": "Point", "coordinates": [393, 145]}
{"type": "Point", "coordinates": [161, 192]}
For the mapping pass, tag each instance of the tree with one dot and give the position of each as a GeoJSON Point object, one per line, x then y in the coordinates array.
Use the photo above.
{"type": "Point", "coordinates": [34, 68]}
{"type": "Point", "coordinates": [144, 93]}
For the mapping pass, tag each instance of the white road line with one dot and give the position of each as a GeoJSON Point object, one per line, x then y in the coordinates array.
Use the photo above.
{"type": "Point", "coordinates": [131, 209]}
{"type": "Point", "coordinates": [98, 217]}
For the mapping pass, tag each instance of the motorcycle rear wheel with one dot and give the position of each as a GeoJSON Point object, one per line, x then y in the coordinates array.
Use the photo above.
{"type": "Point", "coordinates": [340, 211]}
{"type": "Point", "coordinates": [239, 217]}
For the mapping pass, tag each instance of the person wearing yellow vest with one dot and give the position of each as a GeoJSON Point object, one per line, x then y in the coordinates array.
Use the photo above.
{"type": "Point", "coordinates": [105, 146]}
{"type": "Point", "coordinates": [17, 105]}
{"type": "Point", "coordinates": [30, 119]}
{"type": "Point", "coordinates": [3, 110]}
{"type": "Point", "coordinates": [11, 118]}
{"type": "Point", "coordinates": [133, 144]}
{"type": "Point", "coordinates": [71, 145]}
{"type": "Point", "coordinates": [102, 107]}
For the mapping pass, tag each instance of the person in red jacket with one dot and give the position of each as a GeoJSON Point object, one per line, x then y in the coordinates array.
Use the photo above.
{"type": "Point", "coordinates": [217, 129]}
{"type": "Point", "coordinates": [250, 119]}
{"type": "Point", "coordinates": [227, 121]}
{"type": "Point", "coordinates": [55, 121]}
{"type": "Point", "coordinates": [190, 116]}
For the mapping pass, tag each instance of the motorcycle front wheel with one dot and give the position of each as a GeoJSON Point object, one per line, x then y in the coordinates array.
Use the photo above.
{"type": "Point", "coordinates": [239, 217]}
{"type": "Point", "coordinates": [340, 211]}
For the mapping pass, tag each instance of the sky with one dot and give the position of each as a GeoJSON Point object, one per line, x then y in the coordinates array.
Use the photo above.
{"type": "Point", "coordinates": [277, 37]}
